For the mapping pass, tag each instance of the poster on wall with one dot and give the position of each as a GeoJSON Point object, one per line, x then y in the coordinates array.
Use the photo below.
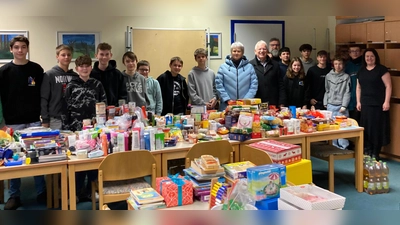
{"type": "Point", "coordinates": [5, 40]}
{"type": "Point", "coordinates": [215, 46]}
{"type": "Point", "coordinates": [83, 43]}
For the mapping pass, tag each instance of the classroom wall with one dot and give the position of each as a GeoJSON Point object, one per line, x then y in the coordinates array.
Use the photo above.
{"type": "Point", "coordinates": [43, 29]}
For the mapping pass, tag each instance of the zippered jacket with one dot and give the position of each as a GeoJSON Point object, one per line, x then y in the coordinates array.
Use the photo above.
{"type": "Point", "coordinates": [235, 83]}
{"type": "Point", "coordinates": [166, 82]}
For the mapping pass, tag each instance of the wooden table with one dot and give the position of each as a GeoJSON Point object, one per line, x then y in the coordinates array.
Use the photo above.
{"type": "Point", "coordinates": [357, 133]}
{"type": "Point", "coordinates": [77, 165]}
{"type": "Point", "coordinates": [41, 169]}
{"type": "Point", "coordinates": [298, 139]}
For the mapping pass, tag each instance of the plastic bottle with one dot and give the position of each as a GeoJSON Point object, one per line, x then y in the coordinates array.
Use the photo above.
{"type": "Point", "coordinates": [366, 176]}
{"type": "Point", "coordinates": [385, 178]}
{"type": "Point", "coordinates": [378, 177]}
{"type": "Point", "coordinates": [371, 182]}
{"type": "Point", "coordinates": [104, 144]}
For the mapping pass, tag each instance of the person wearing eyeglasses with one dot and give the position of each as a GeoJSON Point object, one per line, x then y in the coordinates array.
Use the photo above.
{"type": "Point", "coordinates": [153, 88]}
{"type": "Point", "coordinates": [274, 45]}
{"type": "Point", "coordinates": [353, 65]}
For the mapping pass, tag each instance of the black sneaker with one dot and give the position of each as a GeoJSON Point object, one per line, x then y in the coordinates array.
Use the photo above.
{"type": "Point", "coordinates": [42, 198]}
{"type": "Point", "coordinates": [12, 203]}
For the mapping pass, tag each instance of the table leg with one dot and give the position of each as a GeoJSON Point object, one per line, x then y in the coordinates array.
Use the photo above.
{"type": "Point", "coordinates": [236, 152]}
{"type": "Point", "coordinates": [49, 190]}
{"type": "Point", "coordinates": [304, 148]}
{"type": "Point", "coordinates": [359, 150]}
{"type": "Point", "coordinates": [2, 191]}
{"type": "Point", "coordinates": [64, 189]}
{"type": "Point", "coordinates": [55, 191]}
{"type": "Point", "coordinates": [72, 191]}
{"type": "Point", "coordinates": [307, 148]}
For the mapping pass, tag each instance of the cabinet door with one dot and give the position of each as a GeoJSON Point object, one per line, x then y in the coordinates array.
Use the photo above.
{"type": "Point", "coordinates": [392, 57]}
{"type": "Point", "coordinates": [358, 33]}
{"type": "Point", "coordinates": [396, 87]}
{"type": "Point", "coordinates": [382, 56]}
{"type": "Point", "coordinates": [343, 33]}
{"type": "Point", "coordinates": [393, 147]}
{"type": "Point", "coordinates": [392, 31]}
{"type": "Point", "coordinates": [376, 32]}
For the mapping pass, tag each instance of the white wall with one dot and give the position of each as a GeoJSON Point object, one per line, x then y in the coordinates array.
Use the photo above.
{"type": "Point", "coordinates": [43, 29]}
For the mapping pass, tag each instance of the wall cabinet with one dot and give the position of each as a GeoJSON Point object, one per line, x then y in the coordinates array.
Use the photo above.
{"type": "Point", "coordinates": [392, 18]}
{"type": "Point", "coordinates": [392, 32]}
{"type": "Point", "coordinates": [343, 33]}
{"type": "Point", "coordinates": [375, 32]}
{"type": "Point", "coordinates": [358, 33]}
{"type": "Point", "coordinates": [393, 148]}
{"type": "Point", "coordinates": [392, 57]}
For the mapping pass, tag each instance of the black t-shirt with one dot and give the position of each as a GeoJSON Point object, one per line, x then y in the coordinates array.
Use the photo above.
{"type": "Point", "coordinates": [316, 83]}
{"type": "Point", "coordinates": [178, 103]}
{"type": "Point", "coordinates": [372, 87]}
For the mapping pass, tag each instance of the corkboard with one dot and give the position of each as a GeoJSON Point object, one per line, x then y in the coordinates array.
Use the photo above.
{"type": "Point", "coordinates": [159, 46]}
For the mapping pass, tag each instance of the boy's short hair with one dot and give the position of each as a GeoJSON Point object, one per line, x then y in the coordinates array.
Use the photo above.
{"type": "Point", "coordinates": [305, 47]}
{"type": "Point", "coordinates": [322, 53]}
{"type": "Point", "coordinates": [143, 63]}
{"type": "Point", "coordinates": [103, 46]}
{"type": "Point", "coordinates": [83, 60]}
{"type": "Point", "coordinates": [129, 55]}
{"type": "Point", "coordinates": [64, 47]}
{"type": "Point", "coordinates": [176, 58]}
{"type": "Point", "coordinates": [338, 58]}
{"type": "Point", "coordinates": [284, 49]}
{"type": "Point", "coordinates": [19, 38]}
{"type": "Point", "coordinates": [200, 51]}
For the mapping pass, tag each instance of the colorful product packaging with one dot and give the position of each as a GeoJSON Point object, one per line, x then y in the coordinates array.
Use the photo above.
{"type": "Point", "coordinates": [264, 182]}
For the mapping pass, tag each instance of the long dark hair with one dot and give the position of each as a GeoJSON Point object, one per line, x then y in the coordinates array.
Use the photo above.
{"type": "Point", "coordinates": [290, 72]}
{"type": "Point", "coordinates": [377, 59]}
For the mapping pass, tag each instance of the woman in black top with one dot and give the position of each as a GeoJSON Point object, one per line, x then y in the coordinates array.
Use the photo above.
{"type": "Point", "coordinates": [294, 83]}
{"type": "Point", "coordinates": [374, 89]}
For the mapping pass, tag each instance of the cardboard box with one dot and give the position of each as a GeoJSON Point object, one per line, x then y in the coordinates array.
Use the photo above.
{"type": "Point", "coordinates": [237, 170]}
{"type": "Point", "coordinates": [280, 152]}
{"type": "Point", "coordinates": [239, 137]}
{"type": "Point", "coordinates": [300, 172]}
{"type": "Point", "coordinates": [170, 191]}
{"type": "Point", "coordinates": [263, 182]}
{"type": "Point", "coordinates": [310, 197]}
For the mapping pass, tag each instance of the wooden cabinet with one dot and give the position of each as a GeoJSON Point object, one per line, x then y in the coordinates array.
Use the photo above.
{"type": "Point", "coordinates": [343, 33]}
{"type": "Point", "coordinates": [376, 32]}
{"type": "Point", "coordinates": [392, 57]}
{"type": "Point", "coordinates": [393, 147]}
{"type": "Point", "coordinates": [392, 18]}
{"type": "Point", "coordinates": [392, 31]}
{"type": "Point", "coordinates": [396, 87]}
{"type": "Point", "coordinates": [358, 33]}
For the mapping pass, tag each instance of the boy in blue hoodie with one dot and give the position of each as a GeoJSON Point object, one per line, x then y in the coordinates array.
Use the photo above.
{"type": "Point", "coordinates": [55, 82]}
{"type": "Point", "coordinates": [105, 70]}
{"type": "Point", "coordinates": [337, 95]}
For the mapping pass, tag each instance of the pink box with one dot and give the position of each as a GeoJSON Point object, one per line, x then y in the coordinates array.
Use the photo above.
{"type": "Point", "coordinates": [169, 190]}
{"type": "Point", "coordinates": [280, 152]}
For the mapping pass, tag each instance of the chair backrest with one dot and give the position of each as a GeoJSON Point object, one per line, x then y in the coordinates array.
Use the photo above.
{"type": "Point", "coordinates": [128, 165]}
{"type": "Point", "coordinates": [256, 156]}
{"type": "Point", "coordinates": [221, 149]}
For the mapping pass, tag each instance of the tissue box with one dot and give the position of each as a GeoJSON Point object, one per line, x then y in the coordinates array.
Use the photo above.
{"type": "Point", "coordinates": [174, 194]}
{"type": "Point", "coordinates": [310, 197]}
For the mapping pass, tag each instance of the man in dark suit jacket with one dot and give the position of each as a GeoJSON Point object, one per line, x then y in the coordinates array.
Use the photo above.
{"type": "Point", "coordinates": [270, 83]}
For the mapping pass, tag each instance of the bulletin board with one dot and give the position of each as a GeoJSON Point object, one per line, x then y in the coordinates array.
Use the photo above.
{"type": "Point", "coordinates": [158, 46]}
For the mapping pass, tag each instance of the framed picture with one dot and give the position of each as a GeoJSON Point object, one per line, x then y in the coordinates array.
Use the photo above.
{"type": "Point", "coordinates": [83, 43]}
{"type": "Point", "coordinates": [5, 39]}
{"type": "Point", "coordinates": [215, 46]}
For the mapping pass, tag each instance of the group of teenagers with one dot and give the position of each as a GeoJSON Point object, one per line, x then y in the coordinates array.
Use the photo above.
{"type": "Point", "coordinates": [61, 98]}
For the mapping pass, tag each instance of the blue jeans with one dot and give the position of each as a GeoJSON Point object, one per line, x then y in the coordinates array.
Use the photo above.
{"type": "Point", "coordinates": [339, 143]}
{"type": "Point", "coordinates": [15, 184]}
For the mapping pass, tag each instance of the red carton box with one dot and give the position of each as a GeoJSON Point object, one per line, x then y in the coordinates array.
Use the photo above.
{"type": "Point", "coordinates": [280, 152]}
{"type": "Point", "coordinates": [177, 191]}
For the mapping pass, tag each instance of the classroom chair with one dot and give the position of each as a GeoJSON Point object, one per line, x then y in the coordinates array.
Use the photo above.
{"type": "Point", "coordinates": [256, 156]}
{"type": "Point", "coordinates": [122, 171]}
{"type": "Point", "coordinates": [330, 153]}
{"type": "Point", "coordinates": [221, 149]}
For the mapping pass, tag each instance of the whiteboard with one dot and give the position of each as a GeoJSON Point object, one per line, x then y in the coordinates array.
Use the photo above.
{"type": "Point", "coordinates": [249, 32]}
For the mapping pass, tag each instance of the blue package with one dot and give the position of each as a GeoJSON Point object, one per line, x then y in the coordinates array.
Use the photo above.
{"type": "Point", "coordinates": [13, 163]}
{"type": "Point", "coordinates": [267, 204]}
{"type": "Point", "coordinates": [263, 182]}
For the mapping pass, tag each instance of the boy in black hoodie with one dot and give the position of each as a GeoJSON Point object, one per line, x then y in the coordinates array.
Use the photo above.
{"type": "Point", "coordinates": [55, 82]}
{"type": "Point", "coordinates": [105, 70]}
{"type": "Point", "coordinates": [174, 88]}
{"type": "Point", "coordinates": [82, 94]}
